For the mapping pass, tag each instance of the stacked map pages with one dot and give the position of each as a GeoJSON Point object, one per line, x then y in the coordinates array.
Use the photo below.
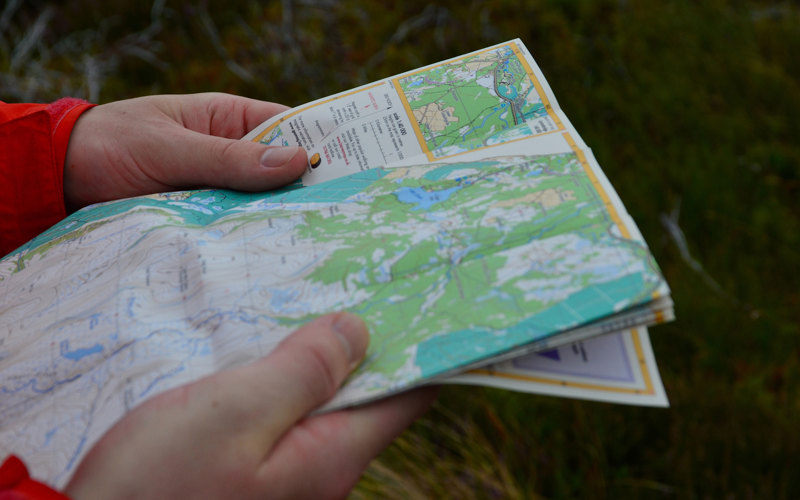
{"type": "Point", "coordinates": [453, 207]}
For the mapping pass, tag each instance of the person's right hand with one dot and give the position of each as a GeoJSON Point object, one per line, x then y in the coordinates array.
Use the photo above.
{"type": "Point", "coordinates": [247, 433]}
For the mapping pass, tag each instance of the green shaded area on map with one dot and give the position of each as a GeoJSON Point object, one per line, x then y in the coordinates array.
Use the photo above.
{"type": "Point", "coordinates": [274, 138]}
{"type": "Point", "coordinates": [430, 283]}
{"type": "Point", "coordinates": [449, 264]}
{"type": "Point", "coordinates": [466, 104]}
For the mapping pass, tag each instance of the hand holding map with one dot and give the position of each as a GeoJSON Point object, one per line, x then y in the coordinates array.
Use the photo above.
{"type": "Point", "coordinates": [154, 143]}
{"type": "Point", "coordinates": [243, 430]}
{"type": "Point", "coordinates": [163, 143]}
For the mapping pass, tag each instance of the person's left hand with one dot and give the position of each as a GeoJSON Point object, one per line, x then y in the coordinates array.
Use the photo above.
{"type": "Point", "coordinates": [247, 432]}
{"type": "Point", "coordinates": [167, 142]}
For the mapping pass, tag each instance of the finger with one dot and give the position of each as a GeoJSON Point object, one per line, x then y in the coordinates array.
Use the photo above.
{"type": "Point", "coordinates": [302, 373]}
{"type": "Point", "coordinates": [338, 446]}
{"type": "Point", "coordinates": [222, 115]}
{"type": "Point", "coordinates": [245, 115]}
{"type": "Point", "coordinates": [234, 164]}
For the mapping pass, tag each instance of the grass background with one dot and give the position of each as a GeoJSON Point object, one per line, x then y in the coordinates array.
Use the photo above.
{"type": "Point", "coordinates": [690, 107]}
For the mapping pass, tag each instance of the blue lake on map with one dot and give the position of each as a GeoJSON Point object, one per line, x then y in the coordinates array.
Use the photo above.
{"type": "Point", "coordinates": [422, 198]}
{"type": "Point", "coordinates": [507, 91]}
{"type": "Point", "coordinates": [78, 354]}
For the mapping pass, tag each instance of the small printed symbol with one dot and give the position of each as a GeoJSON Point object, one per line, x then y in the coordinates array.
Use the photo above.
{"type": "Point", "coordinates": [315, 160]}
{"type": "Point", "coordinates": [552, 354]}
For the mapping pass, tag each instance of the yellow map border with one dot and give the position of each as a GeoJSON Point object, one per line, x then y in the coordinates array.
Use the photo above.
{"type": "Point", "coordinates": [625, 232]}
{"type": "Point", "coordinates": [598, 187]}
{"type": "Point", "coordinates": [536, 83]}
{"type": "Point", "coordinates": [623, 229]}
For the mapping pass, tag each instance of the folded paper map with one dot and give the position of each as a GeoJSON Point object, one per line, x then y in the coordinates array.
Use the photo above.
{"type": "Point", "coordinates": [454, 208]}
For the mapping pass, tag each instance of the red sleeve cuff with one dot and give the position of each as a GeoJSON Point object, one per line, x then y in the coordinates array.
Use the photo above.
{"type": "Point", "coordinates": [33, 146]}
{"type": "Point", "coordinates": [17, 484]}
{"type": "Point", "coordinates": [63, 115]}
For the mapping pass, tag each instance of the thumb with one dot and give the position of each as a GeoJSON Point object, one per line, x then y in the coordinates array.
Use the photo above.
{"type": "Point", "coordinates": [236, 164]}
{"type": "Point", "coordinates": [302, 373]}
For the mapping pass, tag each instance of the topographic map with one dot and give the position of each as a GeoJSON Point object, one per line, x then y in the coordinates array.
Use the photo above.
{"type": "Point", "coordinates": [449, 264]}
{"type": "Point", "coordinates": [452, 265]}
{"type": "Point", "coordinates": [476, 101]}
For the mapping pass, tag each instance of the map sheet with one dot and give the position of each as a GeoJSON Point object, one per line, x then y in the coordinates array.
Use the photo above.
{"type": "Point", "coordinates": [493, 96]}
{"type": "Point", "coordinates": [463, 253]}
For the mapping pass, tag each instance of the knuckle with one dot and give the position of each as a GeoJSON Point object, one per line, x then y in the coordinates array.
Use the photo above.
{"type": "Point", "coordinates": [223, 152]}
{"type": "Point", "coordinates": [322, 368]}
{"type": "Point", "coordinates": [214, 100]}
{"type": "Point", "coordinates": [217, 108]}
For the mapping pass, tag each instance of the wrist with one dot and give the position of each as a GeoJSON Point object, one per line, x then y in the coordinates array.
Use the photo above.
{"type": "Point", "coordinates": [64, 116]}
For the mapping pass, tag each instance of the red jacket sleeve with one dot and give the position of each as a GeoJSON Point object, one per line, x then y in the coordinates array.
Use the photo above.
{"type": "Point", "coordinates": [16, 483]}
{"type": "Point", "coordinates": [33, 145]}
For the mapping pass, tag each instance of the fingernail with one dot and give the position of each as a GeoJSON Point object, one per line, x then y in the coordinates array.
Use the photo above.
{"type": "Point", "coordinates": [277, 156]}
{"type": "Point", "coordinates": [352, 332]}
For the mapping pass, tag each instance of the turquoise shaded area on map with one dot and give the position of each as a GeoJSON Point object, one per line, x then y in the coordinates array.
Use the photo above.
{"type": "Point", "coordinates": [537, 109]}
{"type": "Point", "coordinates": [587, 305]}
{"type": "Point", "coordinates": [441, 172]}
{"type": "Point", "coordinates": [204, 207]}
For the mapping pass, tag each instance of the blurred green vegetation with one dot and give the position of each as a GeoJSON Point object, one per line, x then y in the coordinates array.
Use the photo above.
{"type": "Point", "coordinates": [690, 107]}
